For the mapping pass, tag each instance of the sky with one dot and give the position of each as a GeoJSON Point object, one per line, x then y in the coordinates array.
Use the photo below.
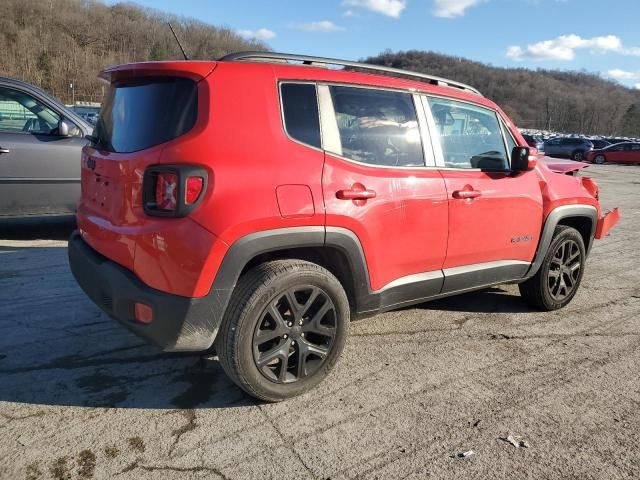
{"type": "Point", "coordinates": [600, 37]}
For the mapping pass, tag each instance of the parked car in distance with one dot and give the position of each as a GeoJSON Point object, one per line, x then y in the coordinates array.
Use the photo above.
{"type": "Point", "coordinates": [92, 118]}
{"type": "Point", "coordinates": [574, 148]}
{"type": "Point", "coordinates": [535, 142]}
{"type": "Point", "coordinates": [615, 140]}
{"type": "Point", "coordinates": [598, 143]}
{"type": "Point", "coordinates": [40, 148]}
{"type": "Point", "coordinates": [273, 199]}
{"type": "Point", "coordinates": [627, 152]}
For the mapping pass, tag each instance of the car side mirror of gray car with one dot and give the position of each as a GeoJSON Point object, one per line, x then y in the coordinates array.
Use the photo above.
{"type": "Point", "coordinates": [63, 128]}
{"type": "Point", "coordinates": [68, 129]}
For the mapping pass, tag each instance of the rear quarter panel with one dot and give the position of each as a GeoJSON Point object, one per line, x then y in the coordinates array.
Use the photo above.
{"type": "Point", "coordinates": [249, 156]}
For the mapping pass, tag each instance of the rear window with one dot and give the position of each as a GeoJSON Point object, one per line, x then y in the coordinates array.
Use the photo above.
{"type": "Point", "coordinates": [140, 114]}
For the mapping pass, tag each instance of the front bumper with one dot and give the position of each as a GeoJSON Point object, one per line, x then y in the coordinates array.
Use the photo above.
{"type": "Point", "coordinates": [179, 323]}
{"type": "Point", "coordinates": [607, 222]}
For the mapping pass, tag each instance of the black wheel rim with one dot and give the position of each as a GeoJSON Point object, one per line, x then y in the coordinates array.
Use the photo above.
{"type": "Point", "coordinates": [577, 156]}
{"type": "Point", "coordinates": [295, 334]}
{"type": "Point", "coordinates": [564, 270]}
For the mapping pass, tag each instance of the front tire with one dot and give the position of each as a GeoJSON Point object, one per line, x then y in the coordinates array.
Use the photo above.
{"type": "Point", "coordinates": [578, 156]}
{"type": "Point", "coordinates": [557, 280]}
{"type": "Point", "coordinates": [284, 329]}
{"type": "Point", "coordinates": [600, 159]}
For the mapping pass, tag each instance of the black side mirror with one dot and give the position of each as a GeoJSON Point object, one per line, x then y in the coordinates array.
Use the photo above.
{"type": "Point", "coordinates": [520, 161]}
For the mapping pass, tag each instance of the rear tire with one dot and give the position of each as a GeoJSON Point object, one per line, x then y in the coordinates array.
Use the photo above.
{"type": "Point", "coordinates": [284, 330]}
{"type": "Point", "coordinates": [577, 156]}
{"type": "Point", "coordinates": [600, 159]}
{"type": "Point", "coordinates": [557, 280]}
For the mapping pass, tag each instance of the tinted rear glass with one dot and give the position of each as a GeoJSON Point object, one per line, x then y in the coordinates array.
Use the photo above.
{"type": "Point", "coordinates": [140, 114]}
{"type": "Point", "coordinates": [300, 107]}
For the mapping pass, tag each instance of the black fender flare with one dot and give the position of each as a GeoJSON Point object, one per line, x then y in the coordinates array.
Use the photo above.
{"type": "Point", "coordinates": [243, 250]}
{"type": "Point", "coordinates": [552, 221]}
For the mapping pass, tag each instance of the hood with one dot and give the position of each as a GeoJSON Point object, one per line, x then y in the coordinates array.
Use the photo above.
{"type": "Point", "coordinates": [560, 165]}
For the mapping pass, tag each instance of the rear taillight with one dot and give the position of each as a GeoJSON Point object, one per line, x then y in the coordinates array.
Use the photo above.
{"type": "Point", "coordinates": [172, 190]}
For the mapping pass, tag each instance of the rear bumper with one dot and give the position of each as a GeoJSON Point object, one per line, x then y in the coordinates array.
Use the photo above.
{"type": "Point", "coordinates": [179, 323]}
{"type": "Point", "coordinates": [607, 222]}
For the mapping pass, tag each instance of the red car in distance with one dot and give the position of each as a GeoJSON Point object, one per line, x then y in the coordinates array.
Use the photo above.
{"type": "Point", "coordinates": [626, 152]}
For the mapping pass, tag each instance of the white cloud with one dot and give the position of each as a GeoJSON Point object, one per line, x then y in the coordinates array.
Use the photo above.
{"type": "Point", "coordinates": [564, 47]}
{"type": "Point", "coordinates": [623, 74]}
{"type": "Point", "coordinates": [260, 34]}
{"type": "Point", "coordinates": [320, 26]}
{"type": "Point", "coordinates": [637, 86]}
{"type": "Point", "coordinates": [349, 13]}
{"type": "Point", "coordinates": [452, 8]}
{"type": "Point", "coordinates": [390, 8]}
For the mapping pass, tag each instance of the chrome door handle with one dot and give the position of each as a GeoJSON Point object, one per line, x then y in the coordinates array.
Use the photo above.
{"type": "Point", "coordinates": [4, 150]}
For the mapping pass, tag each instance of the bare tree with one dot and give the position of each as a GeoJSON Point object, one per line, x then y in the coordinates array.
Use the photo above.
{"type": "Point", "coordinates": [545, 99]}
{"type": "Point", "coordinates": [53, 43]}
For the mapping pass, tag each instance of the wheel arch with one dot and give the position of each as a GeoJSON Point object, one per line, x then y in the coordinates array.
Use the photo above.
{"type": "Point", "coordinates": [330, 257]}
{"type": "Point", "coordinates": [584, 225]}
{"type": "Point", "coordinates": [336, 249]}
{"type": "Point", "coordinates": [583, 218]}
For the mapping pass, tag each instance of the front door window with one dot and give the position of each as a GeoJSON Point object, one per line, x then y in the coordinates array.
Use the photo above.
{"type": "Point", "coordinates": [20, 112]}
{"type": "Point", "coordinates": [470, 136]}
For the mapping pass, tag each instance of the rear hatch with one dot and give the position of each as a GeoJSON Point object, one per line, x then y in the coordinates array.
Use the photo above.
{"type": "Point", "coordinates": [147, 107]}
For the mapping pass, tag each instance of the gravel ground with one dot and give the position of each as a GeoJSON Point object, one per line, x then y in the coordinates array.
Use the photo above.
{"type": "Point", "coordinates": [80, 397]}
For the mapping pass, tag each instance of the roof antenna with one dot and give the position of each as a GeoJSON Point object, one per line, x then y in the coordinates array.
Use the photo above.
{"type": "Point", "coordinates": [177, 40]}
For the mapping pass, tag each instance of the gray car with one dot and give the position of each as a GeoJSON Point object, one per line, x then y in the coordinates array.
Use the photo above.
{"type": "Point", "coordinates": [40, 146]}
{"type": "Point", "coordinates": [568, 147]}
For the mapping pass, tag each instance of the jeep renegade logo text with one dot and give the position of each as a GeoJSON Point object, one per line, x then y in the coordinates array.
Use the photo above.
{"type": "Point", "coordinates": [526, 238]}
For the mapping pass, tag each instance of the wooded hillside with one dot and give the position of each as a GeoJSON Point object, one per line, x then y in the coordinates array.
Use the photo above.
{"type": "Point", "coordinates": [53, 43]}
{"type": "Point", "coordinates": [574, 102]}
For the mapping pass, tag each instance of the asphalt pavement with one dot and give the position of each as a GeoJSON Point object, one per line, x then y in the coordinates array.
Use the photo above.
{"type": "Point", "coordinates": [81, 397]}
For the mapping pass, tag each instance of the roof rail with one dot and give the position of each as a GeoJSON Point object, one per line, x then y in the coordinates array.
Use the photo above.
{"type": "Point", "coordinates": [311, 60]}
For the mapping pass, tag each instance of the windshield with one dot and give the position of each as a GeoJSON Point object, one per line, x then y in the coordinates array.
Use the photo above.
{"type": "Point", "coordinates": [142, 113]}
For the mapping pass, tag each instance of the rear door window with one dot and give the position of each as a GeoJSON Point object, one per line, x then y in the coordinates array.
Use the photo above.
{"type": "Point", "coordinates": [377, 127]}
{"type": "Point", "coordinates": [300, 112]}
{"type": "Point", "coordinates": [140, 114]}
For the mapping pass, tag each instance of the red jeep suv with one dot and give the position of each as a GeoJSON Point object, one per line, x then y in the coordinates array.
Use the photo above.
{"type": "Point", "coordinates": [258, 203]}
